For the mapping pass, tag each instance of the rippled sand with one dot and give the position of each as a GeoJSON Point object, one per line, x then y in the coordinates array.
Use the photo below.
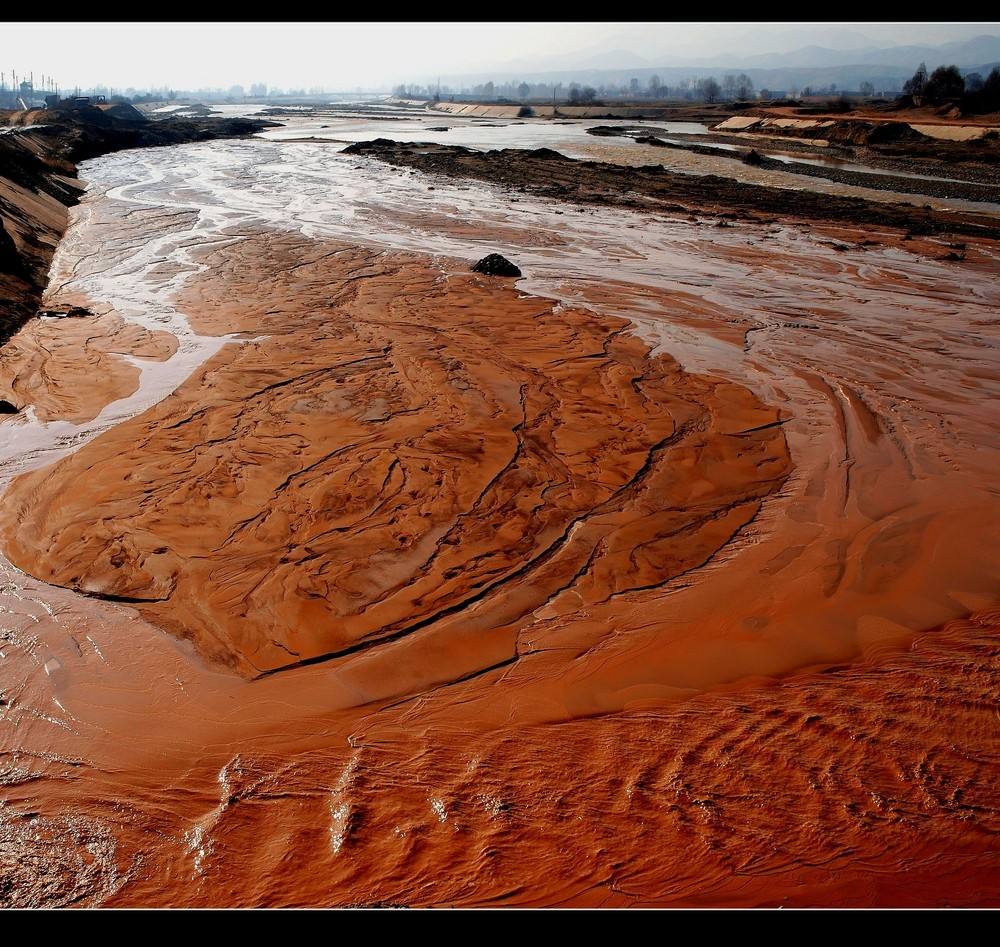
{"type": "Point", "coordinates": [724, 502]}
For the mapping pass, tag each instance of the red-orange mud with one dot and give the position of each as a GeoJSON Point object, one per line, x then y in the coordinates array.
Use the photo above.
{"type": "Point", "coordinates": [577, 624]}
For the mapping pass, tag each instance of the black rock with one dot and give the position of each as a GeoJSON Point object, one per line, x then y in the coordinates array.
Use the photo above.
{"type": "Point", "coordinates": [753, 157]}
{"type": "Point", "coordinates": [73, 312]}
{"type": "Point", "coordinates": [496, 265]}
{"type": "Point", "coordinates": [10, 260]}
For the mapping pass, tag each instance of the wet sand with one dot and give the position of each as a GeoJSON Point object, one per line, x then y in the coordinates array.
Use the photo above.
{"type": "Point", "coordinates": [636, 581]}
{"type": "Point", "coordinates": [400, 456]}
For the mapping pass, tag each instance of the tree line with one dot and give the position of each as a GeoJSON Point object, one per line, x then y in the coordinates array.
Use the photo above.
{"type": "Point", "coordinates": [732, 88]}
{"type": "Point", "coordinates": [972, 93]}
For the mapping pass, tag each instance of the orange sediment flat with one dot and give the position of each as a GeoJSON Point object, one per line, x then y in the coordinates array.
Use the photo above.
{"type": "Point", "coordinates": [70, 368]}
{"type": "Point", "coordinates": [411, 454]}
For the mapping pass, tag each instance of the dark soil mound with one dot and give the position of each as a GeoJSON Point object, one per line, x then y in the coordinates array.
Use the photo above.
{"type": "Point", "coordinates": [363, 147]}
{"type": "Point", "coordinates": [546, 154]}
{"type": "Point", "coordinates": [496, 265]}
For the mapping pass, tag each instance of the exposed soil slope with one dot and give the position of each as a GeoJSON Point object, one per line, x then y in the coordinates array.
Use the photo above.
{"type": "Point", "coordinates": [38, 183]}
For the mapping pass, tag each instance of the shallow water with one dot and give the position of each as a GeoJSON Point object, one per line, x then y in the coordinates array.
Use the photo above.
{"type": "Point", "coordinates": [483, 134]}
{"type": "Point", "coordinates": [864, 169]}
{"type": "Point", "coordinates": [211, 193]}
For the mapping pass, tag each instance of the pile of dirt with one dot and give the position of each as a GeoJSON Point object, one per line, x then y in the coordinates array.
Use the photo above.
{"type": "Point", "coordinates": [496, 265]}
{"type": "Point", "coordinates": [123, 111]}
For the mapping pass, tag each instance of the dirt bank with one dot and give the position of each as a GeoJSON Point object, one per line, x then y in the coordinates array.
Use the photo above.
{"type": "Point", "coordinates": [969, 152]}
{"type": "Point", "coordinates": [971, 190]}
{"type": "Point", "coordinates": [38, 182]}
{"type": "Point", "coordinates": [693, 112]}
{"type": "Point", "coordinates": [546, 173]}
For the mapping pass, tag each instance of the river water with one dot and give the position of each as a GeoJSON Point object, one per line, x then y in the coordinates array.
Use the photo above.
{"type": "Point", "coordinates": [572, 139]}
{"type": "Point", "coordinates": [130, 751]}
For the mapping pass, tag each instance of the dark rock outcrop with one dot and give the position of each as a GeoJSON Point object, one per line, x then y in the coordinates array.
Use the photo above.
{"type": "Point", "coordinates": [496, 265]}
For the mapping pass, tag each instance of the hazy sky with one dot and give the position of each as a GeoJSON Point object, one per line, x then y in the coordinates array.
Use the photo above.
{"type": "Point", "coordinates": [347, 55]}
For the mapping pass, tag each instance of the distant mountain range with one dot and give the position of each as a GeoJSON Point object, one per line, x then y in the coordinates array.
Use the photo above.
{"type": "Point", "coordinates": [969, 52]}
{"type": "Point", "coordinates": [816, 66]}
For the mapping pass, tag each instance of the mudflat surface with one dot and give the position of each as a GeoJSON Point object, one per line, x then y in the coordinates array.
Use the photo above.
{"type": "Point", "coordinates": [409, 453]}
{"type": "Point", "coordinates": [663, 575]}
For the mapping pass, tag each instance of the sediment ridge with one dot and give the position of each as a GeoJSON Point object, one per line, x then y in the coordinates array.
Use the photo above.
{"type": "Point", "coordinates": [549, 174]}
{"type": "Point", "coordinates": [410, 453]}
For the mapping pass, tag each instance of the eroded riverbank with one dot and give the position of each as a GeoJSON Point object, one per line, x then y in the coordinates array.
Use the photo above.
{"type": "Point", "coordinates": [38, 183]}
